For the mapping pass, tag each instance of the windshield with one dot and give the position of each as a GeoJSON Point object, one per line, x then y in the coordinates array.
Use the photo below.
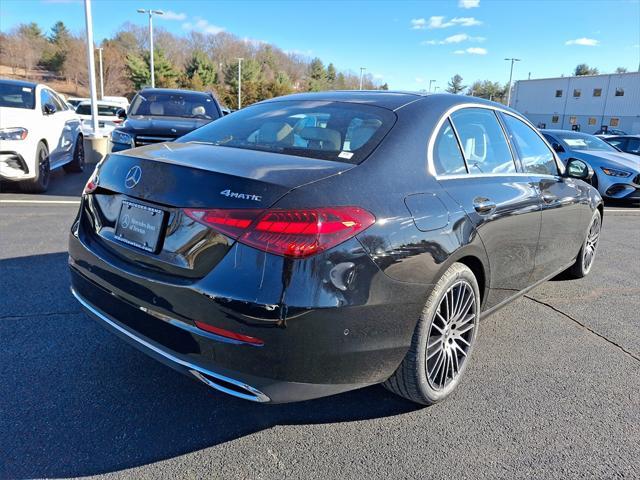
{"type": "Point", "coordinates": [577, 141]}
{"type": "Point", "coordinates": [103, 110]}
{"type": "Point", "coordinates": [342, 132]}
{"type": "Point", "coordinates": [17, 96]}
{"type": "Point", "coordinates": [165, 104]}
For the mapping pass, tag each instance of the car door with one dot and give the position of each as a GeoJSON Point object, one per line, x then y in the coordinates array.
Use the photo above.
{"type": "Point", "coordinates": [70, 129]}
{"type": "Point", "coordinates": [475, 165]}
{"type": "Point", "coordinates": [564, 200]}
{"type": "Point", "coordinates": [54, 125]}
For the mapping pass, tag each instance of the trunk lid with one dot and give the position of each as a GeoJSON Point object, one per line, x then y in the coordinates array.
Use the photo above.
{"type": "Point", "coordinates": [174, 176]}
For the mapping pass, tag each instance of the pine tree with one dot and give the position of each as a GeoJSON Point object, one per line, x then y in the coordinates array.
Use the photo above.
{"type": "Point", "coordinates": [455, 85]}
{"type": "Point", "coordinates": [317, 76]}
{"type": "Point", "coordinates": [331, 74]}
{"type": "Point", "coordinates": [201, 65]}
{"type": "Point", "coordinates": [166, 75]}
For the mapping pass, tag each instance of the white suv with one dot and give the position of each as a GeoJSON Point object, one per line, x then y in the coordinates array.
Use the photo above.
{"type": "Point", "coordinates": [38, 133]}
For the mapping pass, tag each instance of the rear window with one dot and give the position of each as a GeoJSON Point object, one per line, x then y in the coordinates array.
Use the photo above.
{"type": "Point", "coordinates": [167, 104]}
{"type": "Point", "coordinates": [337, 131]}
{"type": "Point", "coordinates": [17, 96]}
{"type": "Point", "coordinates": [103, 110]}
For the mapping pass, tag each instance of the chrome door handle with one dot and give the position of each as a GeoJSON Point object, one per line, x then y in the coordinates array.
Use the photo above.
{"type": "Point", "coordinates": [483, 205]}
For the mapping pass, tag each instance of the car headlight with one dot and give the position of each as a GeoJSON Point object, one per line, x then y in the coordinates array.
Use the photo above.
{"type": "Point", "coordinates": [615, 173]}
{"type": "Point", "coordinates": [121, 137]}
{"type": "Point", "coordinates": [16, 133]}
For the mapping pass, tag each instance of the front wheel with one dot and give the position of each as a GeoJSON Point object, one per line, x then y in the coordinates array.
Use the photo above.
{"type": "Point", "coordinates": [587, 253]}
{"type": "Point", "coordinates": [40, 182]}
{"type": "Point", "coordinates": [443, 340]}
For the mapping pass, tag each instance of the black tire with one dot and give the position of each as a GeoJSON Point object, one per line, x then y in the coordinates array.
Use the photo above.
{"type": "Point", "coordinates": [77, 163]}
{"type": "Point", "coordinates": [587, 254]}
{"type": "Point", "coordinates": [412, 380]}
{"type": "Point", "coordinates": [40, 182]}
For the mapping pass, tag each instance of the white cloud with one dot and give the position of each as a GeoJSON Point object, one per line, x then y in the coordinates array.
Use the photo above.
{"type": "Point", "coordinates": [438, 21]}
{"type": "Point", "coordinates": [202, 25]}
{"type": "Point", "coordinates": [471, 51]}
{"type": "Point", "coordinates": [419, 80]}
{"type": "Point", "coordinates": [468, 3]}
{"type": "Point", "coordinates": [418, 23]}
{"type": "Point", "coordinates": [171, 15]}
{"type": "Point", "coordinates": [584, 41]}
{"type": "Point", "coordinates": [457, 38]}
{"type": "Point", "coordinates": [378, 76]}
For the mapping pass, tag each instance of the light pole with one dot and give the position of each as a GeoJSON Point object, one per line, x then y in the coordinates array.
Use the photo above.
{"type": "Point", "coordinates": [430, 82]}
{"type": "Point", "coordinates": [101, 74]}
{"type": "Point", "coordinates": [92, 66]}
{"type": "Point", "coordinates": [240, 83]}
{"type": "Point", "coordinates": [151, 13]}
{"type": "Point", "coordinates": [512, 60]}
{"type": "Point", "coordinates": [362, 69]}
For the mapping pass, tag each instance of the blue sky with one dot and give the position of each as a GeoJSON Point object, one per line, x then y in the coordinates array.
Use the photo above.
{"type": "Point", "coordinates": [403, 43]}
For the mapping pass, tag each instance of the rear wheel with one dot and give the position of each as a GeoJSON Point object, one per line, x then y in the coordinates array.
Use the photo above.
{"type": "Point", "coordinates": [40, 182]}
{"type": "Point", "coordinates": [443, 340]}
{"type": "Point", "coordinates": [77, 163]}
{"type": "Point", "coordinates": [587, 254]}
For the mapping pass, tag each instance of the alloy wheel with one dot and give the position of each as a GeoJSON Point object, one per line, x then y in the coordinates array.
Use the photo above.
{"type": "Point", "coordinates": [43, 166]}
{"type": "Point", "coordinates": [591, 243]}
{"type": "Point", "coordinates": [450, 335]}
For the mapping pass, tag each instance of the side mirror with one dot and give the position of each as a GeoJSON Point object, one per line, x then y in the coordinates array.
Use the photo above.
{"type": "Point", "coordinates": [49, 109]}
{"type": "Point", "coordinates": [557, 147]}
{"type": "Point", "coordinates": [121, 113]}
{"type": "Point", "coordinates": [578, 169]}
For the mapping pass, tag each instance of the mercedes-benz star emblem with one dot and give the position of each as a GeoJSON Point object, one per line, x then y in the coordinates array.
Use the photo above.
{"type": "Point", "coordinates": [133, 177]}
{"type": "Point", "coordinates": [125, 221]}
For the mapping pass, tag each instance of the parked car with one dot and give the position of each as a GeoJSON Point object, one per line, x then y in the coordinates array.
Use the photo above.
{"type": "Point", "coordinates": [75, 101]}
{"type": "Point", "coordinates": [626, 143]}
{"type": "Point", "coordinates": [277, 261]}
{"type": "Point", "coordinates": [608, 132]}
{"type": "Point", "coordinates": [108, 118]}
{"type": "Point", "coordinates": [122, 101]}
{"type": "Point", "coordinates": [617, 174]}
{"type": "Point", "coordinates": [162, 115]}
{"type": "Point", "coordinates": [38, 133]}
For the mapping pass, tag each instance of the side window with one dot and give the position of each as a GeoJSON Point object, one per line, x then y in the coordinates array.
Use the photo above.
{"type": "Point", "coordinates": [634, 145]}
{"type": "Point", "coordinates": [483, 142]}
{"type": "Point", "coordinates": [60, 104]}
{"type": "Point", "coordinates": [447, 157]}
{"type": "Point", "coordinates": [534, 153]}
{"type": "Point", "coordinates": [45, 97]}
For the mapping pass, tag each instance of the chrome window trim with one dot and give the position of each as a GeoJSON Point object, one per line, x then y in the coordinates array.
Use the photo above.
{"type": "Point", "coordinates": [446, 115]}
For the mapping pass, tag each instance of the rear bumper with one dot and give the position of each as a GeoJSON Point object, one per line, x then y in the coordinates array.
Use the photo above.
{"type": "Point", "coordinates": [308, 352]}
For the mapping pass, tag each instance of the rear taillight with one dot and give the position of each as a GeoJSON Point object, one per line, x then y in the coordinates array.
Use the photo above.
{"type": "Point", "coordinates": [292, 233]}
{"type": "Point", "coordinates": [91, 184]}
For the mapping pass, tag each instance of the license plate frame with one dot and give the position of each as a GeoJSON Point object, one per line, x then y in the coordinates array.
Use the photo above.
{"type": "Point", "coordinates": [140, 225]}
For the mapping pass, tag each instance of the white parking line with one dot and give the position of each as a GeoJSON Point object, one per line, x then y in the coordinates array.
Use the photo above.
{"type": "Point", "coordinates": [43, 202]}
{"type": "Point", "coordinates": [625, 210]}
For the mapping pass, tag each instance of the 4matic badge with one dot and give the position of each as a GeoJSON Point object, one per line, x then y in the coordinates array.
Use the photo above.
{"type": "Point", "coordinates": [241, 196]}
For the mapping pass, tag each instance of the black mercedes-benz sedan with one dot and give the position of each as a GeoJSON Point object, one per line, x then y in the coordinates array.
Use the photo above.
{"type": "Point", "coordinates": [317, 243]}
{"type": "Point", "coordinates": [162, 115]}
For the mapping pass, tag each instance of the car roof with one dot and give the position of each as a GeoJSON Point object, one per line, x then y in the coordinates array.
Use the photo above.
{"type": "Point", "coordinates": [172, 90]}
{"type": "Point", "coordinates": [19, 83]}
{"type": "Point", "coordinates": [100, 102]}
{"type": "Point", "coordinates": [559, 131]}
{"type": "Point", "coordinates": [388, 99]}
{"type": "Point", "coordinates": [624, 136]}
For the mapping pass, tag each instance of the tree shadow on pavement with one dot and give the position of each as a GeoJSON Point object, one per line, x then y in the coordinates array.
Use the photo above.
{"type": "Point", "coordinates": [76, 400]}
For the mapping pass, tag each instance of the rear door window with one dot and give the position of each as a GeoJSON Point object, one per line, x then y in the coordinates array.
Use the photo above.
{"type": "Point", "coordinates": [447, 157]}
{"type": "Point", "coordinates": [483, 142]}
{"type": "Point", "coordinates": [534, 154]}
{"type": "Point", "coordinates": [326, 130]}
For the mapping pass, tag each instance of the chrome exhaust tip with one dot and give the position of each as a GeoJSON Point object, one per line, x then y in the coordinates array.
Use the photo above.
{"type": "Point", "coordinates": [230, 386]}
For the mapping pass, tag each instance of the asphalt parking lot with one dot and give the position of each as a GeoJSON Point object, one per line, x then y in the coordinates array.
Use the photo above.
{"type": "Point", "coordinates": [553, 390]}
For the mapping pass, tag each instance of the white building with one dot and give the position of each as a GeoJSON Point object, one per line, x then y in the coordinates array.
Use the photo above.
{"type": "Point", "coordinates": [589, 102]}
